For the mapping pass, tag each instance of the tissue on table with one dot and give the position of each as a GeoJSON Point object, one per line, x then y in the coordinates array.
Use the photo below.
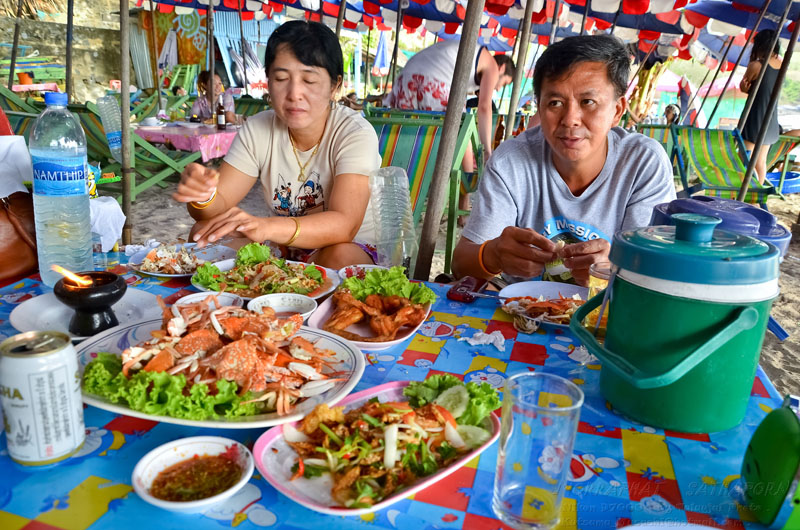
{"type": "Point", "coordinates": [495, 338]}
{"type": "Point", "coordinates": [130, 250]}
{"type": "Point", "coordinates": [107, 221]}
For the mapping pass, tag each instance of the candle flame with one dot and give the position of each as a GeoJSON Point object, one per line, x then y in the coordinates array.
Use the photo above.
{"type": "Point", "coordinates": [80, 280]}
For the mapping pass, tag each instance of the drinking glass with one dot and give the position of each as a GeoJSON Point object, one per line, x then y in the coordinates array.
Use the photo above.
{"type": "Point", "coordinates": [599, 274]}
{"type": "Point", "coordinates": [540, 419]}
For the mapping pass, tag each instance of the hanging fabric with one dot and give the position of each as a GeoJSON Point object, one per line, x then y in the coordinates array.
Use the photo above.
{"type": "Point", "coordinates": [169, 52]}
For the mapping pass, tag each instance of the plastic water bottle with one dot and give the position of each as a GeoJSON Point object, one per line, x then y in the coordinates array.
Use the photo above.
{"type": "Point", "coordinates": [111, 117]}
{"type": "Point", "coordinates": [394, 220]}
{"type": "Point", "coordinates": [60, 198]}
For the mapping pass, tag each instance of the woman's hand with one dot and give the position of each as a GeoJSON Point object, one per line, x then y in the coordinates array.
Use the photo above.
{"type": "Point", "coordinates": [197, 184]}
{"type": "Point", "coordinates": [229, 222]}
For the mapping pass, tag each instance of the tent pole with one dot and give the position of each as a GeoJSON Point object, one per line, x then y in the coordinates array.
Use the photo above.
{"type": "Point", "coordinates": [714, 78]}
{"type": "Point", "coordinates": [340, 18]}
{"type": "Point", "coordinates": [773, 103]}
{"type": "Point", "coordinates": [367, 80]}
{"type": "Point", "coordinates": [125, 100]}
{"type": "Point", "coordinates": [586, 9]}
{"type": "Point", "coordinates": [738, 60]}
{"type": "Point", "coordinates": [437, 193]}
{"type": "Point", "coordinates": [70, 25]}
{"type": "Point", "coordinates": [554, 25]}
{"type": "Point", "coordinates": [156, 77]}
{"type": "Point", "coordinates": [393, 68]}
{"type": "Point", "coordinates": [616, 17]}
{"type": "Point", "coordinates": [211, 54]}
{"type": "Point", "coordinates": [755, 86]}
{"type": "Point", "coordinates": [14, 47]}
{"type": "Point", "coordinates": [244, 56]}
{"type": "Point", "coordinates": [524, 43]}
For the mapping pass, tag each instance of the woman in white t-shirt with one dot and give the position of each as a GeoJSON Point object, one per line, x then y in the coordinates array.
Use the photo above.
{"type": "Point", "coordinates": [311, 156]}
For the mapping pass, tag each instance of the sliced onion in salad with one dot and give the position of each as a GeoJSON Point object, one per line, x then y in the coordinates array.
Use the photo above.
{"type": "Point", "coordinates": [390, 451]}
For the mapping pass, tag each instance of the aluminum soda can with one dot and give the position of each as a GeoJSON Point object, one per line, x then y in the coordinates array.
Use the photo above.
{"type": "Point", "coordinates": [40, 392]}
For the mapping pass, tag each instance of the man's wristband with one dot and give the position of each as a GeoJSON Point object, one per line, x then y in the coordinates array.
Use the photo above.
{"type": "Point", "coordinates": [482, 264]}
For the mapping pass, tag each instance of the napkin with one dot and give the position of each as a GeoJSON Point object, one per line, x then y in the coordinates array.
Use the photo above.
{"type": "Point", "coordinates": [130, 250]}
{"type": "Point", "coordinates": [107, 221]}
{"type": "Point", "coordinates": [495, 338]}
{"type": "Point", "coordinates": [15, 165]}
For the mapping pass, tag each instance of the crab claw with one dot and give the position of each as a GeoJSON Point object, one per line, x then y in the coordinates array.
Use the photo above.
{"type": "Point", "coordinates": [305, 370]}
{"type": "Point", "coordinates": [313, 388]}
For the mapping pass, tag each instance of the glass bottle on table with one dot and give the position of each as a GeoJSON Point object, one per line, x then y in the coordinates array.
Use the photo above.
{"type": "Point", "coordinates": [220, 114]}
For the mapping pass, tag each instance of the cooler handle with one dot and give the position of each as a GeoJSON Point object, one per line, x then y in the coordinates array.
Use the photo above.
{"type": "Point", "coordinates": [744, 319]}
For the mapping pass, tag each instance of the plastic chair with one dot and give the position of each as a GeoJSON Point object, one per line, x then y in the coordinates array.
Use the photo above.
{"type": "Point", "coordinates": [715, 157]}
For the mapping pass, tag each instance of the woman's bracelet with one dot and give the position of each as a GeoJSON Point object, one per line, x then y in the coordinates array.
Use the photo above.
{"type": "Point", "coordinates": [482, 264]}
{"type": "Point", "coordinates": [206, 203]}
{"type": "Point", "coordinates": [296, 231]}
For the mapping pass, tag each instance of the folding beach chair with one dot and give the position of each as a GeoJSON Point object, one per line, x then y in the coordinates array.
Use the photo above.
{"type": "Point", "coordinates": [250, 106]}
{"type": "Point", "coordinates": [410, 139]}
{"type": "Point", "coordinates": [151, 164]}
{"type": "Point", "coordinates": [663, 135]}
{"type": "Point", "coordinates": [780, 152]}
{"type": "Point", "coordinates": [11, 101]}
{"type": "Point", "coordinates": [715, 157]}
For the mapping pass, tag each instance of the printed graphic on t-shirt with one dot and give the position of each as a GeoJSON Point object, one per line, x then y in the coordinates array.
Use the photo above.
{"type": "Point", "coordinates": [565, 231]}
{"type": "Point", "coordinates": [297, 200]}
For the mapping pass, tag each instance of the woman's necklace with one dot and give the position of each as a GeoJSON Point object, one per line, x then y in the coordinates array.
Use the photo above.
{"type": "Point", "coordinates": [302, 176]}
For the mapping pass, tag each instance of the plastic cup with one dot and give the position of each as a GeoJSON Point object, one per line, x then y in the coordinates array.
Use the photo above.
{"type": "Point", "coordinates": [540, 419]}
{"type": "Point", "coordinates": [599, 274]}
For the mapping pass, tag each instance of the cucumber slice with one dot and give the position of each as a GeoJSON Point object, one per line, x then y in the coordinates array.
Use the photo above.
{"type": "Point", "coordinates": [454, 399]}
{"type": "Point", "coordinates": [473, 436]}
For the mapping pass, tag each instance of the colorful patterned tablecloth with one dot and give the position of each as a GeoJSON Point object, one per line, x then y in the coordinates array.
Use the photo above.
{"type": "Point", "coordinates": [621, 472]}
{"type": "Point", "coordinates": [207, 139]}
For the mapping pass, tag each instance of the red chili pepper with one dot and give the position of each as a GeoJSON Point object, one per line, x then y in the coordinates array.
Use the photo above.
{"type": "Point", "coordinates": [216, 275]}
{"type": "Point", "coordinates": [301, 468]}
{"type": "Point", "coordinates": [347, 456]}
{"type": "Point", "coordinates": [362, 425]}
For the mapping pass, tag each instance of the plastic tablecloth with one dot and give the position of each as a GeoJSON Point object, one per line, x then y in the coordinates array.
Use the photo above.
{"type": "Point", "coordinates": [208, 140]}
{"type": "Point", "coordinates": [621, 472]}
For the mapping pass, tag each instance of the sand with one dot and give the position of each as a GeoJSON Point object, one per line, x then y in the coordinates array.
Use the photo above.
{"type": "Point", "coordinates": [156, 215]}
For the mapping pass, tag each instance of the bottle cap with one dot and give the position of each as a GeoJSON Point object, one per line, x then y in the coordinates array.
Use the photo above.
{"type": "Point", "coordinates": [55, 98]}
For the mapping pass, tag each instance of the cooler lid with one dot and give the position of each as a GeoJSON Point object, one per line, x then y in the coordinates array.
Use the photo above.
{"type": "Point", "coordinates": [693, 251]}
{"type": "Point", "coordinates": [736, 216]}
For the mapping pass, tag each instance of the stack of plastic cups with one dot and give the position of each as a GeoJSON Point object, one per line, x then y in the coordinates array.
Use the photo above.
{"type": "Point", "coordinates": [393, 217]}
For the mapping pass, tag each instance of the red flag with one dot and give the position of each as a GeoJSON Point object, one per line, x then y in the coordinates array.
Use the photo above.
{"type": "Point", "coordinates": [635, 7]}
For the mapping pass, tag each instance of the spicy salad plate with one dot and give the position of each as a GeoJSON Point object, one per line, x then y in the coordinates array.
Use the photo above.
{"type": "Point", "coordinates": [212, 254]}
{"type": "Point", "coordinates": [275, 458]}
{"type": "Point", "coordinates": [46, 312]}
{"type": "Point", "coordinates": [548, 290]}
{"type": "Point", "coordinates": [349, 362]}
{"type": "Point", "coordinates": [331, 282]}
{"type": "Point", "coordinates": [323, 313]}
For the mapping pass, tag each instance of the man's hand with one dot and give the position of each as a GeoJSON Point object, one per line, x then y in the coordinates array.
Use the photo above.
{"type": "Point", "coordinates": [578, 257]}
{"type": "Point", "coordinates": [519, 252]}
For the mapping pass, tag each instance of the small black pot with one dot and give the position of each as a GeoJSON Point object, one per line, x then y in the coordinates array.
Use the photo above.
{"type": "Point", "coordinates": [92, 304]}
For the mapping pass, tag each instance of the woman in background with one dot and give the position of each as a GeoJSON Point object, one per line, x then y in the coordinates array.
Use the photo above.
{"type": "Point", "coordinates": [761, 56]}
{"type": "Point", "coordinates": [204, 108]}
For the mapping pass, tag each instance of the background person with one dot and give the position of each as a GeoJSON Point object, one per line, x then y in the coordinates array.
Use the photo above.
{"type": "Point", "coordinates": [552, 198]}
{"type": "Point", "coordinates": [672, 114]}
{"type": "Point", "coordinates": [311, 156]}
{"type": "Point", "coordinates": [204, 108]}
{"type": "Point", "coordinates": [761, 55]}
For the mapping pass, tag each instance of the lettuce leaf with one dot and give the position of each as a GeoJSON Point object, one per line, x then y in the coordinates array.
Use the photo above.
{"type": "Point", "coordinates": [391, 282]}
{"type": "Point", "coordinates": [313, 272]}
{"type": "Point", "coordinates": [253, 253]}
{"type": "Point", "coordinates": [160, 393]}
{"type": "Point", "coordinates": [208, 275]}
{"type": "Point", "coordinates": [483, 399]}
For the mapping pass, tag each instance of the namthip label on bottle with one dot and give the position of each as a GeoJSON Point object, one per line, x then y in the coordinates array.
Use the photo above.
{"type": "Point", "coordinates": [59, 176]}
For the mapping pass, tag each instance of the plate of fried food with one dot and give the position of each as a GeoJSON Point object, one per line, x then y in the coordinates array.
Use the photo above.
{"type": "Point", "coordinates": [207, 365]}
{"type": "Point", "coordinates": [179, 260]}
{"type": "Point", "coordinates": [381, 445]}
{"type": "Point", "coordinates": [376, 312]}
{"type": "Point", "coordinates": [536, 302]}
{"type": "Point", "coordinates": [255, 272]}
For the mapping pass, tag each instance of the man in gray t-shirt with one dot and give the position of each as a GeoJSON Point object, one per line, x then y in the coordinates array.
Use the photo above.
{"type": "Point", "coordinates": [551, 199]}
